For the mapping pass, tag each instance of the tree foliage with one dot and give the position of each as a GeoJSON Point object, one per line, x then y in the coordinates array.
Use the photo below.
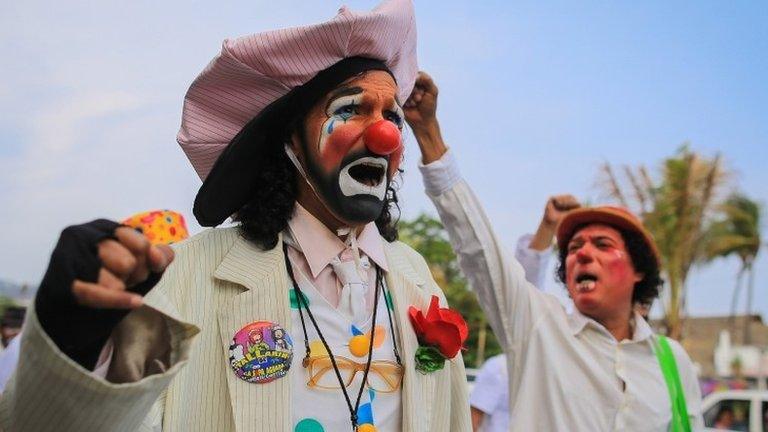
{"type": "Point", "coordinates": [428, 236]}
{"type": "Point", "coordinates": [678, 209]}
{"type": "Point", "coordinates": [736, 232]}
{"type": "Point", "coordinates": [5, 302]}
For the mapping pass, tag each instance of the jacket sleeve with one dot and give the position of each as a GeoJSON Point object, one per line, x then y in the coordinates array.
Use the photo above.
{"type": "Point", "coordinates": [73, 398]}
{"type": "Point", "coordinates": [512, 305]}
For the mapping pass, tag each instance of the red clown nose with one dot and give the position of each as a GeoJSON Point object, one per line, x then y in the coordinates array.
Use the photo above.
{"type": "Point", "coordinates": [382, 137]}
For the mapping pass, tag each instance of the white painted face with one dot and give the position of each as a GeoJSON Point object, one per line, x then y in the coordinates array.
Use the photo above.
{"type": "Point", "coordinates": [339, 111]}
{"type": "Point", "coordinates": [350, 178]}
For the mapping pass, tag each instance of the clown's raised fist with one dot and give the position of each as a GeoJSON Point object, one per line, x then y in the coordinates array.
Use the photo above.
{"type": "Point", "coordinates": [557, 207]}
{"type": "Point", "coordinates": [421, 114]}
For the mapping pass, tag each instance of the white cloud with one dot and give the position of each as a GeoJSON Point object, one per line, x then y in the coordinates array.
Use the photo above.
{"type": "Point", "coordinates": [57, 128]}
{"type": "Point", "coordinates": [60, 136]}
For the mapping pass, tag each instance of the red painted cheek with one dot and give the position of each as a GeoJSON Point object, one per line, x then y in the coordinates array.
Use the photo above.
{"type": "Point", "coordinates": [337, 145]}
{"type": "Point", "coordinates": [618, 265]}
{"type": "Point", "coordinates": [394, 161]}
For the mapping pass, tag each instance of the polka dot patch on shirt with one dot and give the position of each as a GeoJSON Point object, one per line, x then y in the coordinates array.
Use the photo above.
{"type": "Point", "coordinates": [294, 298]}
{"type": "Point", "coordinates": [360, 342]}
{"type": "Point", "coordinates": [388, 299]}
{"type": "Point", "coordinates": [365, 414]}
{"type": "Point", "coordinates": [317, 349]}
{"type": "Point", "coordinates": [359, 345]}
{"type": "Point", "coordinates": [379, 334]}
{"type": "Point", "coordinates": [308, 425]}
{"type": "Point", "coordinates": [355, 331]}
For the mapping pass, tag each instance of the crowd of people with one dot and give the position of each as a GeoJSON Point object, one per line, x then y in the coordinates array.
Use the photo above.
{"type": "Point", "coordinates": [307, 314]}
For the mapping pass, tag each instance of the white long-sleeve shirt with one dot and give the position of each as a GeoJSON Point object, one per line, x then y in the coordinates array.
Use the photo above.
{"type": "Point", "coordinates": [8, 360]}
{"type": "Point", "coordinates": [490, 393]}
{"type": "Point", "coordinates": [566, 371]}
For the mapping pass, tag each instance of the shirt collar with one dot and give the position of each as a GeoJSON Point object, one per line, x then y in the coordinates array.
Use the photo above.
{"type": "Point", "coordinates": [577, 321]}
{"type": "Point", "coordinates": [319, 245]}
{"type": "Point", "coordinates": [640, 328]}
{"type": "Point", "coordinates": [643, 330]}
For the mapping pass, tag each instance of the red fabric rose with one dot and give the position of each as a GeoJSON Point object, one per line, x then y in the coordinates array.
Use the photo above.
{"type": "Point", "coordinates": [442, 328]}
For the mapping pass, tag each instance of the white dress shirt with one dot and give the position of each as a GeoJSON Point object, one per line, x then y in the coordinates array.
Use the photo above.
{"type": "Point", "coordinates": [566, 371]}
{"type": "Point", "coordinates": [490, 393]}
{"type": "Point", "coordinates": [315, 254]}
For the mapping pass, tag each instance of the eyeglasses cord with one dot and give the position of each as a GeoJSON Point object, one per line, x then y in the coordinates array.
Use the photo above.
{"type": "Point", "coordinates": [301, 301]}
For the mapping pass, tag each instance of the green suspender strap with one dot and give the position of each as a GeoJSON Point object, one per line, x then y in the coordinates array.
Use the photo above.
{"type": "Point", "coordinates": [680, 421]}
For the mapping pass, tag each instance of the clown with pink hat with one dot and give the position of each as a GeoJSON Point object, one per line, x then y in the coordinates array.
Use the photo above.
{"type": "Point", "coordinates": [294, 318]}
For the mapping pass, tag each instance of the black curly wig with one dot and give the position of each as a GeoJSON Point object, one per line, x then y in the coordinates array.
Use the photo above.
{"type": "Point", "coordinates": [647, 289]}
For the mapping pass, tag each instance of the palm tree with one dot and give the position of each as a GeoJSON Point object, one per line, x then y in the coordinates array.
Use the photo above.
{"type": "Point", "coordinates": [676, 209]}
{"type": "Point", "coordinates": [737, 232]}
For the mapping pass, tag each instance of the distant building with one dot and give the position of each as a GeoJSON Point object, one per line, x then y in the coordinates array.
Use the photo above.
{"type": "Point", "coordinates": [716, 345]}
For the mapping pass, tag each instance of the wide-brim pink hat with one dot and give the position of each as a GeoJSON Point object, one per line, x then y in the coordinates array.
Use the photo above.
{"type": "Point", "coordinates": [252, 72]}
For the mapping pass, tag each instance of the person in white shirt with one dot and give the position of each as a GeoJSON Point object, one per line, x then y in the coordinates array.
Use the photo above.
{"type": "Point", "coordinates": [10, 330]}
{"type": "Point", "coordinates": [9, 358]}
{"type": "Point", "coordinates": [594, 369]}
{"type": "Point", "coordinates": [489, 401]}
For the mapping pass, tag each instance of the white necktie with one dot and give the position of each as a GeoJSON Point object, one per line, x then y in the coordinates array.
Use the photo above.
{"type": "Point", "coordinates": [354, 287]}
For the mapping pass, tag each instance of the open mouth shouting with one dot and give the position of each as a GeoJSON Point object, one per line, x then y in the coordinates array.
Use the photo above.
{"type": "Point", "coordinates": [585, 282]}
{"type": "Point", "coordinates": [365, 176]}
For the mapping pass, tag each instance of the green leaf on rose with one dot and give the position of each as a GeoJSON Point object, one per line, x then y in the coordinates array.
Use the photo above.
{"type": "Point", "coordinates": [429, 359]}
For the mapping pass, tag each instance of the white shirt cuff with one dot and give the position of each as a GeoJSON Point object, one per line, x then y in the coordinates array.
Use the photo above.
{"type": "Point", "coordinates": [441, 175]}
{"type": "Point", "coordinates": [105, 359]}
{"type": "Point", "coordinates": [524, 248]}
{"type": "Point", "coordinates": [534, 261]}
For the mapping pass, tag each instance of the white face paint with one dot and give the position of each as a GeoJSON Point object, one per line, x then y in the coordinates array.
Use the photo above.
{"type": "Point", "coordinates": [339, 110]}
{"type": "Point", "coordinates": [349, 186]}
{"type": "Point", "coordinates": [400, 115]}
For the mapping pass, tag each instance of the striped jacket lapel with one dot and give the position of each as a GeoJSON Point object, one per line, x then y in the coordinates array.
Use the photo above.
{"type": "Point", "coordinates": [405, 285]}
{"type": "Point", "coordinates": [255, 407]}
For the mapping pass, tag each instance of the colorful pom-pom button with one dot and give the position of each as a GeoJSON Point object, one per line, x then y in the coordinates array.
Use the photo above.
{"type": "Point", "coordinates": [261, 352]}
{"type": "Point", "coordinates": [359, 345]}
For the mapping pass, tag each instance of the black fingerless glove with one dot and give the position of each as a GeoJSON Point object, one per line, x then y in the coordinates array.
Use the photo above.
{"type": "Point", "coordinates": [79, 331]}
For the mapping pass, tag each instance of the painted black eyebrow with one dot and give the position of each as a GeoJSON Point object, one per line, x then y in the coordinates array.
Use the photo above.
{"type": "Point", "coordinates": [604, 237]}
{"type": "Point", "coordinates": [596, 238]}
{"type": "Point", "coordinates": [344, 91]}
{"type": "Point", "coordinates": [575, 241]}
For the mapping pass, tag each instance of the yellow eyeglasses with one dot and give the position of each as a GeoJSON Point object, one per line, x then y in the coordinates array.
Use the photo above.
{"type": "Point", "coordinates": [385, 376]}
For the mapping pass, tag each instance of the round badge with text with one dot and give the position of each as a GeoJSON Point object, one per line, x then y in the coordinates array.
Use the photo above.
{"type": "Point", "coordinates": [261, 352]}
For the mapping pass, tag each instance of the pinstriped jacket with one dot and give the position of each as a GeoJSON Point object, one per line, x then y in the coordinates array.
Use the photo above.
{"type": "Point", "coordinates": [170, 367]}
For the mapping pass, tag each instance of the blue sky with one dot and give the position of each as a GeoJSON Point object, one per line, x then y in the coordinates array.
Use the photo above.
{"type": "Point", "coordinates": [534, 97]}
